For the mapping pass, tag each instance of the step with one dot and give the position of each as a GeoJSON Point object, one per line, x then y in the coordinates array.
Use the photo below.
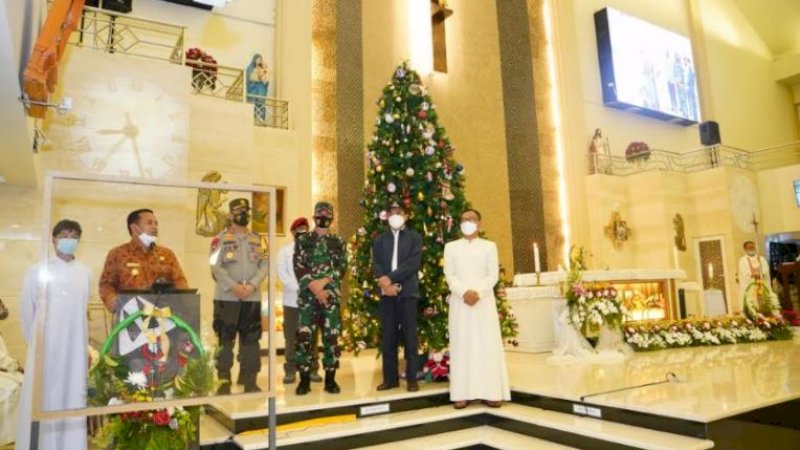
{"type": "Point", "coordinates": [212, 432]}
{"type": "Point", "coordinates": [482, 435]}
{"type": "Point", "coordinates": [519, 419]}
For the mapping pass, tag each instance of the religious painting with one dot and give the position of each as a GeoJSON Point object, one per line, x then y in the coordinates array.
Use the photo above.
{"type": "Point", "coordinates": [261, 212]}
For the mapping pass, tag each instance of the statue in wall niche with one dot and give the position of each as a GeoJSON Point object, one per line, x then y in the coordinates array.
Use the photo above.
{"type": "Point", "coordinates": [210, 219]}
{"type": "Point", "coordinates": [680, 236]}
{"type": "Point", "coordinates": [617, 230]}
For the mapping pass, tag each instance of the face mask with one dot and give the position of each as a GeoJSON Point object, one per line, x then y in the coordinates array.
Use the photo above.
{"type": "Point", "coordinates": [468, 228]}
{"type": "Point", "coordinates": [241, 219]}
{"type": "Point", "coordinates": [323, 221]}
{"type": "Point", "coordinates": [67, 246]}
{"type": "Point", "coordinates": [147, 240]}
{"type": "Point", "coordinates": [396, 221]}
{"type": "Point", "coordinates": [751, 253]}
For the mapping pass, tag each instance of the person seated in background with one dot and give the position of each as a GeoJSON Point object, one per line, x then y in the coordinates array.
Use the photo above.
{"type": "Point", "coordinates": [139, 263]}
{"type": "Point", "coordinates": [10, 382]}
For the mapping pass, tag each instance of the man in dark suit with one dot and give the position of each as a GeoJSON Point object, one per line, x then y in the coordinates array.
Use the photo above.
{"type": "Point", "coordinates": [396, 256]}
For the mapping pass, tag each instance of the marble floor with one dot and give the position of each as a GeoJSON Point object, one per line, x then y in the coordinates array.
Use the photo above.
{"type": "Point", "coordinates": [712, 382]}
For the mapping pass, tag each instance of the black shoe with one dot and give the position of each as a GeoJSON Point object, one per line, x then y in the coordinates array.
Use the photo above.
{"type": "Point", "coordinates": [386, 386]}
{"type": "Point", "coordinates": [224, 388]}
{"type": "Point", "coordinates": [330, 382]}
{"type": "Point", "coordinates": [251, 387]}
{"type": "Point", "coordinates": [412, 386]}
{"type": "Point", "coordinates": [304, 387]}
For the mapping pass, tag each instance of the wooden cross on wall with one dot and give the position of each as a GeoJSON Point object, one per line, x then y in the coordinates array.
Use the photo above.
{"type": "Point", "coordinates": [439, 12]}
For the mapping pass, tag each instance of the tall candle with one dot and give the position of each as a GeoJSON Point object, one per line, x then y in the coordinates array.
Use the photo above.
{"type": "Point", "coordinates": [537, 264]}
{"type": "Point", "coordinates": [675, 256]}
{"type": "Point", "coordinates": [710, 271]}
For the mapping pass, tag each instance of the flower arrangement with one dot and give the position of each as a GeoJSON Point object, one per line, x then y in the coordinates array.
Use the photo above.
{"type": "Point", "coordinates": [111, 382]}
{"type": "Point", "coordinates": [637, 150]}
{"type": "Point", "coordinates": [644, 336]}
{"type": "Point", "coordinates": [204, 68]}
{"type": "Point", "coordinates": [760, 301]}
{"type": "Point", "coordinates": [792, 317]}
{"type": "Point", "coordinates": [590, 307]}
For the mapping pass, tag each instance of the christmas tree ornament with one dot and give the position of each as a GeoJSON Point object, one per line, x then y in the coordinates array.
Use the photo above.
{"type": "Point", "coordinates": [379, 168]}
{"type": "Point", "coordinates": [388, 118]}
{"type": "Point", "coordinates": [391, 187]}
{"type": "Point", "coordinates": [422, 114]}
{"type": "Point", "coordinates": [400, 73]}
{"type": "Point", "coordinates": [362, 231]}
{"type": "Point", "coordinates": [409, 172]}
{"type": "Point", "coordinates": [415, 89]}
{"type": "Point", "coordinates": [429, 177]}
{"type": "Point", "coordinates": [420, 196]}
{"type": "Point", "coordinates": [447, 194]}
{"type": "Point", "coordinates": [430, 150]}
{"type": "Point", "coordinates": [383, 215]}
{"type": "Point", "coordinates": [425, 106]}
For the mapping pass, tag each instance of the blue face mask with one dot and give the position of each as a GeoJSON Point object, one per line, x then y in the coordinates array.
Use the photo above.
{"type": "Point", "coordinates": [67, 246]}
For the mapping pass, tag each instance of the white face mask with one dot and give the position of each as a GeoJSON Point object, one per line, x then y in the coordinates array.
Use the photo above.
{"type": "Point", "coordinates": [751, 253]}
{"type": "Point", "coordinates": [396, 221]}
{"type": "Point", "coordinates": [147, 240]}
{"type": "Point", "coordinates": [468, 228]}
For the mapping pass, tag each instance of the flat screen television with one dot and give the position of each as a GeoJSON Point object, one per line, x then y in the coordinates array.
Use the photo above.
{"type": "Point", "coordinates": [646, 69]}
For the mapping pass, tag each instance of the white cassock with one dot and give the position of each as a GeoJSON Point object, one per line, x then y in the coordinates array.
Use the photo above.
{"type": "Point", "coordinates": [477, 361]}
{"type": "Point", "coordinates": [64, 368]}
{"type": "Point", "coordinates": [748, 267]}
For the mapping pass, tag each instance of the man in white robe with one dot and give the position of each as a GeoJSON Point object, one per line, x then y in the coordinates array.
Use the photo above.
{"type": "Point", "coordinates": [64, 356]}
{"type": "Point", "coordinates": [752, 267]}
{"type": "Point", "coordinates": [477, 361]}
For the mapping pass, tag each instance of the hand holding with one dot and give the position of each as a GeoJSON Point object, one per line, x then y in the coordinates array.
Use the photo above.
{"type": "Point", "coordinates": [471, 297]}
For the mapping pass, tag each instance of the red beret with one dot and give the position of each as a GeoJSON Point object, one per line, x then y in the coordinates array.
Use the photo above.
{"type": "Point", "coordinates": [299, 222]}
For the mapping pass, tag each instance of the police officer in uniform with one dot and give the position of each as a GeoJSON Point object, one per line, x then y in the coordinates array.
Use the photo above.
{"type": "Point", "coordinates": [239, 264]}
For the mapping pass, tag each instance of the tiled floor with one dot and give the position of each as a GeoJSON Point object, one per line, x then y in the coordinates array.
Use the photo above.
{"type": "Point", "coordinates": [714, 382]}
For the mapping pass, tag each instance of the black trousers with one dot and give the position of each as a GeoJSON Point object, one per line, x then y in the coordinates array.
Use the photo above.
{"type": "Point", "coordinates": [398, 324]}
{"type": "Point", "coordinates": [242, 319]}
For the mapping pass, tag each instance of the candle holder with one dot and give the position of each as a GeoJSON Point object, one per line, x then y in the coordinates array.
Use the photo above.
{"type": "Point", "coordinates": [538, 279]}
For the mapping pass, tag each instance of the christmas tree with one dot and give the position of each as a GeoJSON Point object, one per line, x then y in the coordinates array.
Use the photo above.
{"type": "Point", "coordinates": [409, 160]}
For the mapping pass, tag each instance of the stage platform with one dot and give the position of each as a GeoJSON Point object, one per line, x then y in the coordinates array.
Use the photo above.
{"type": "Point", "coordinates": [730, 397]}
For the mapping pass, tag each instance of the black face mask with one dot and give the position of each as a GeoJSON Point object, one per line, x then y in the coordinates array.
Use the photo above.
{"type": "Point", "coordinates": [323, 221]}
{"type": "Point", "coordinates": [241, 219]}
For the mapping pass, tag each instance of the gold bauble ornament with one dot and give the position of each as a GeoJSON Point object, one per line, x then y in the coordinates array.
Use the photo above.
{"type": "Point", "coordinates": [379, 168]}
{"type": "Point", "coordinates": [441, 262]}
{"type": "Point", "coordinates": [420, 196]}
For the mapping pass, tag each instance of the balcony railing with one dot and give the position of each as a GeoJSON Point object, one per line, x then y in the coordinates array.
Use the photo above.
{"type": "Point", "coordinates": [697, 160]}
{"type": "Point", "coordinates": [112, 32]}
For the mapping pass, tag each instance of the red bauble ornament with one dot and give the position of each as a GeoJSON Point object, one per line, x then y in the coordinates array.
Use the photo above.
{"type": "Point", "coordinates": [422, 114]}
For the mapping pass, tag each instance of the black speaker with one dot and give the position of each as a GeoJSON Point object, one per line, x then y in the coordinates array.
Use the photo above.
{"type": "Point", "coordinates": [709, 133]}
{"type": "Point", "coordinates": [120, 6]}
{"type": "Point", "coordinates": [92, 3]}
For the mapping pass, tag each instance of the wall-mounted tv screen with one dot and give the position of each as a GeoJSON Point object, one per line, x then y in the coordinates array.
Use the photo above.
{"type": "Point", "coordinates": [646, 69]}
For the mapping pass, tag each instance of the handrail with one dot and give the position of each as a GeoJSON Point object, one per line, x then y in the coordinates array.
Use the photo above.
{"type": "Point", "coordinates": [704, 158]}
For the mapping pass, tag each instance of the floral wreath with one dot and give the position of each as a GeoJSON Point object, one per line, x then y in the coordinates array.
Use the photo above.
{"type": "Point", "coordinates": [110, 383]}
{"type": "Point", "coordinates": [760, 301]}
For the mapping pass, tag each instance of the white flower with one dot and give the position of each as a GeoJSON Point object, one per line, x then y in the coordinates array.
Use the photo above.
{"type": "Point", "coordinates": [138, 379]}
{"type": "Point", "coordinates": [115, 401]}
{"type": "Point", "coordinates": [173, 424]}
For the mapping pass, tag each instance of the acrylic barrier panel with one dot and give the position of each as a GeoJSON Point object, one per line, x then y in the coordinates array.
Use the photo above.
{"type": "Point", "coordinates": [156, 346]}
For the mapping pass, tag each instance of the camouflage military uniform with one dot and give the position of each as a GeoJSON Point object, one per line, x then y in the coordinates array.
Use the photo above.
{"type": "Point", "coordinates": [317, 257]}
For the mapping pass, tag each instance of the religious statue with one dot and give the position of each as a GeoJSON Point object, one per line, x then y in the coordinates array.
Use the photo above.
{"type": "Point", "coordinates": [210, 219]}
{"type": "Point", "coordinates": [680, 236]}
{"type": "Point", "coordinates": [598, 147]}
{"type": "Point", "coordinates": [617, 230]}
